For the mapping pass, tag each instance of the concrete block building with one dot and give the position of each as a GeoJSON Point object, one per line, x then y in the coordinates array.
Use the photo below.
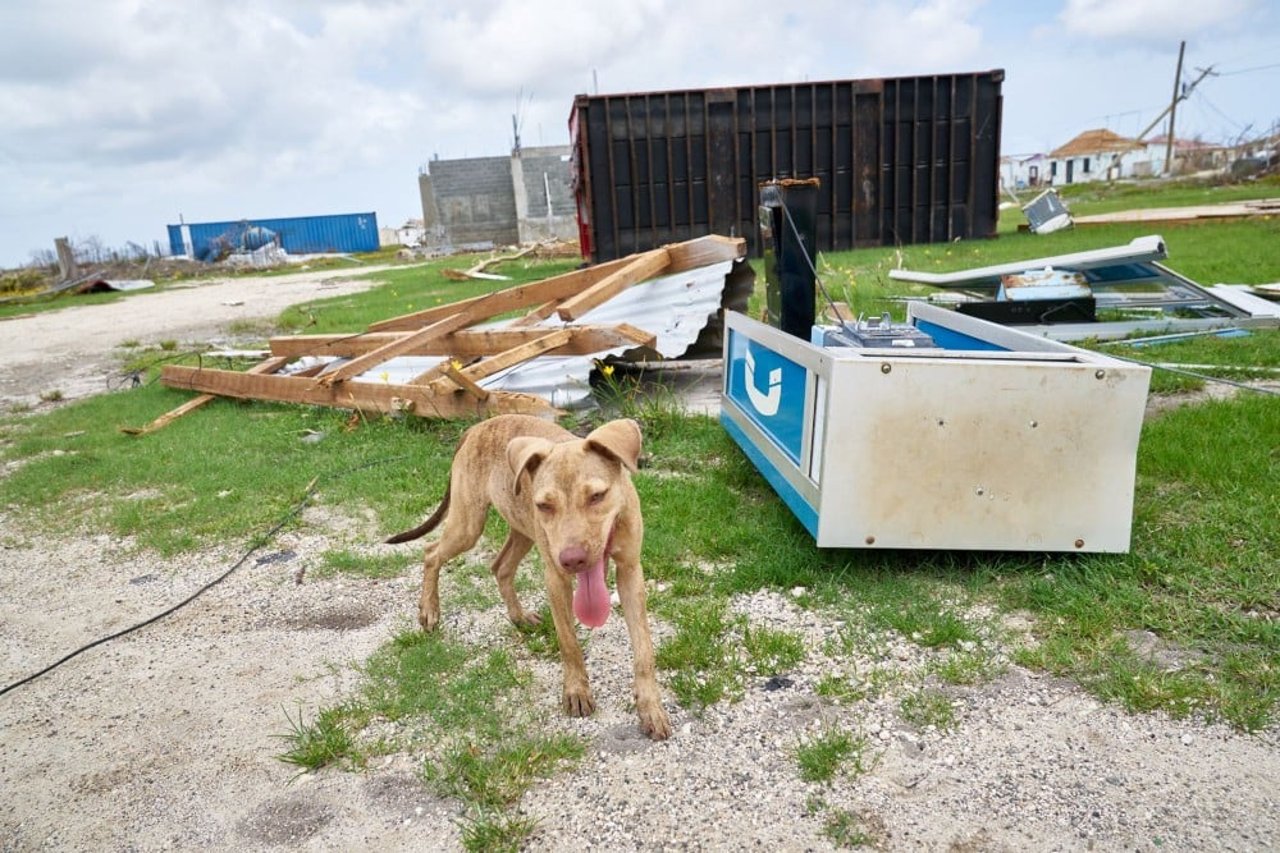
{"type": "Point", "coordinates": [499, 201]}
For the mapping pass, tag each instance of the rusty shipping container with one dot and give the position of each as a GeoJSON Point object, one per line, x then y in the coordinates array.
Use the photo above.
{"type": "Point", "coordinates": [899, 160]}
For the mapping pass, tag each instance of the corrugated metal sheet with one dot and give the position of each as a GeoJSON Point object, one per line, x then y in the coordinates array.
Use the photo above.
{"type": "Point", "coordinates": [900, 160]}
{"type": "Point", "coordinates": [299, 235]}
{"type": "Point", "coordinates": [675, 308]}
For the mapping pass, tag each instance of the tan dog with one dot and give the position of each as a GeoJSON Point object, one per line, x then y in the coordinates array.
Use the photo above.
{"type": "Point", "coordinates": [573, 498]}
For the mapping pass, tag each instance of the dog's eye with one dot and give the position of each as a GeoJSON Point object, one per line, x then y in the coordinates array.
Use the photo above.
{"type": "Point", "coordinates": [545, 506]}
{"type": "Point", "coordinates": [598, 496]}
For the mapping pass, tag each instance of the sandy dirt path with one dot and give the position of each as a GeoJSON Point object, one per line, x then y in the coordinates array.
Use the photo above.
{"type": "Point", "coordinates": [76, 350]}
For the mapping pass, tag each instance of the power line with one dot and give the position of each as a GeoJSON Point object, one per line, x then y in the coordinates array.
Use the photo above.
{"type": "Point", "coordinates": [1249, 70]}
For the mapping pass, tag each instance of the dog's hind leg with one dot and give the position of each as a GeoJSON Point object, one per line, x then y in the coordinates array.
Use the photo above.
{"type": "Point", "coordinates": [461, 531]}
{"type": "Point", "coordinates": [504, 570]}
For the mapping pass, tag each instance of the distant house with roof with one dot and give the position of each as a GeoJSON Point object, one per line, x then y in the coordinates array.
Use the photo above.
{"type": "Point", "coordinates": [1020, 171]}
{"type": "Point", "coordinates": [1097, 155]}
{"type": "Point", "coordinates": [1189, 155]}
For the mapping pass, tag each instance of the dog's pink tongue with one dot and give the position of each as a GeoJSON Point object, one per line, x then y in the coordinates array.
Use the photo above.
{"type": "Point", "coordinates": [591, 598]}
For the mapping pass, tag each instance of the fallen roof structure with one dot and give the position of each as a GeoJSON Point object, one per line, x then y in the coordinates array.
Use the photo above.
{"type": "Point", "coordinates": [1128, 284]}
{"type": "Point", "coordinates": [455, 360]}
{"type": "Point", "coordinates": [1226, 210]}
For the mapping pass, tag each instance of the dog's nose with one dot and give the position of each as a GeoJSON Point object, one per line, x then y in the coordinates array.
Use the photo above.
{"type": "Point", "coordinates": [574, 559]}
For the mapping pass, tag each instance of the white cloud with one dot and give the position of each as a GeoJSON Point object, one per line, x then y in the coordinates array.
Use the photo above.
{"type": "Point", "coordinates": [1150, 19]}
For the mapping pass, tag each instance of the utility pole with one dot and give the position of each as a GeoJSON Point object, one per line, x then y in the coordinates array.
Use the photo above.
{"type": "Point", "coordinates": [1178, 96]}
{"type": "Point", "coordinates": [1173, 109]}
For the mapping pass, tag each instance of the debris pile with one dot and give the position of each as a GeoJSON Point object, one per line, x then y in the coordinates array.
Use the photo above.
{"type": "Point", "coordinates": [456, 360]}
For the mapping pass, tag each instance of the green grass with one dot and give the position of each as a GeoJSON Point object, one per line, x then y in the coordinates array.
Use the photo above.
{"type": "Point", "coordinates": [820, 758]}
{"type": "Point", "coordinates": [324, 741]}
{"type": "Point", "coordinates": [342, 562]}
{"type": "Point", "coordinates": [701, 663]}
{"type": "Point", "coordinates": [1102, 197]}
{"type": "Point", "coordinates": [770, 651]}
{"type": "Point", "coordinates": [845, 829]}
{"type": "Point", "coordinates": [925, 708]}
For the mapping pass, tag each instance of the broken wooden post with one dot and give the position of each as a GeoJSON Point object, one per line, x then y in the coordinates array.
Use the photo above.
{"type": "Point", "coordinates": [271, 365]}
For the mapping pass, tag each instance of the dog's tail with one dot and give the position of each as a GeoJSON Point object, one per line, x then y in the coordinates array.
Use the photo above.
{"type": "Point", "coordinates": [425, 527]}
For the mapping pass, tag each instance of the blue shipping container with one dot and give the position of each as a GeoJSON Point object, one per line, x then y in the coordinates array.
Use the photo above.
{"type": "Point", "coordinates": [299, 235]}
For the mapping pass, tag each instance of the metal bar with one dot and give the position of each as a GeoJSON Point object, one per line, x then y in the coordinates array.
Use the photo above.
{"type": "Point", "coordinates": [631, 168]}
{"type": "Point", "coordinates": [688, 167]}
{"type": "Point", "coordinates": [616, 248]}
{"type": "Point", "coordinates": [951, 151]}
{"type": "Point", "coordinates": [971, 206]}
{"type": "Point", "coordinates": [671, 176]}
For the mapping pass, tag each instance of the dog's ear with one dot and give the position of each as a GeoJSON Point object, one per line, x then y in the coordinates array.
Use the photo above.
{"type": "Point", "coordinates": [525, 453]}
{"type": "Point", "coordinates": [618, 440]}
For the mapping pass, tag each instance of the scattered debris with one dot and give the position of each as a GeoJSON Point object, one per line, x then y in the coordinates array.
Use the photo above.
{"type": "Point", "coordinates": [1226, 210]}
{"type": "Point", "coordinates": [102, 285]}
{"type": "Point", "coordinates": [440, 363]}
{"type": "Point", "coordinates": [481, 271]}
{"type": "Point", "coordinates": [1127, 282]}
{"type": "Point", "coordinates": [1046, 213]}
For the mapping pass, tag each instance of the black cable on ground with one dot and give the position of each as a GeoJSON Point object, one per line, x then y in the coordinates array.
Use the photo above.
{"type": "Point", "coordinates": [276, 528]}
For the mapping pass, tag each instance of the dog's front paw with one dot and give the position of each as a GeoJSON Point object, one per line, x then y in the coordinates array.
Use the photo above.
{"type": "Point", "coordinates": [526, 619]}
{"type": "Point", "coordinates": [428, 618]}
{"type": "Point", "coordinates": [578, 702]}
{"type": "Point", "coordinates": [654, 721]}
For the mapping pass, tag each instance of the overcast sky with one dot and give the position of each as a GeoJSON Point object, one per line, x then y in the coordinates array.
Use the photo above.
{"type": "Point", "coordinates": [118, 116]}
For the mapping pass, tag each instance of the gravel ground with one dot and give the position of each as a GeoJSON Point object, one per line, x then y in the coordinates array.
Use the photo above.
{"type": "Point", "coordinates": [166, 738]}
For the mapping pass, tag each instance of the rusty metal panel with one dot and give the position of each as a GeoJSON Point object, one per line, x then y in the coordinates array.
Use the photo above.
{"type": "Point", "coordinates": [908, 160]}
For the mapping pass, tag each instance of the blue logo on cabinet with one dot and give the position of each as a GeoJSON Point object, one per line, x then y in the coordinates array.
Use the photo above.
{"type": "Point", "coordinates": [769, 388]}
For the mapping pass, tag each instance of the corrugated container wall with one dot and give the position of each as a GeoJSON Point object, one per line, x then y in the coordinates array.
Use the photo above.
{"type": "Point", "coordinates": [900, 160]}
{"type": "Point", "coordinates": [299, 235]}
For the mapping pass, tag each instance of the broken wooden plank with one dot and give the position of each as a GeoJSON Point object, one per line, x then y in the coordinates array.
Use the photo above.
{"type": "Point", "coordinates": [842, 313]}
{"type": "Point", "coordinates": [390, 350]}
{"type": "Point", "coordinates": [509, 299]}
{"type": "Point", "coordinates": [382, 397]}
{"type": "Point", "coordinates": [634, 334]}
{"type": "Point", "coordinates": [466, 383]}
{"type": "Point", "coordinates": [464, 344]}
{"type": "Point", "coordinates": [641, 267]}
{"type": "Point", "coordinates": [690, 254]}
{"type": "Point", "coordinates": [481, 270]}
{"type": "Point", "coordinates": [271, 365]}
{"type": "Point", "coordinates": [515, 355]}
{"type": "Point", "coordinates": [703, 251]}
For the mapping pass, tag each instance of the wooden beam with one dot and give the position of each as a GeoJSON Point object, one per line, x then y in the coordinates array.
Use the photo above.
{"type": "Point", "coordinates": [684, 256]}
{"type": "Point", "coordinates": [364, 396]}
{"type": "Point", "coordinates": [390, 350]}
{"type": "Point", "coordinates": [509, 299]}
{"type": "Point", "coordinates": [515, 355]}
{"type": "Point", "coordinates": [466, 383]}
{"type": "Point", "coordinates": [641, 267]}
{"type": "Point", "coordinates": [704, 251]}
{"type": "Point", "coordinates": [271, 365]}
{"type": "Point", "coordinates": [537, 315]}
{"type": "Point", "coordinates": [634, 335]}
{"type": "Point", "coordinates": [464, 344]}
{"type": "Point", "coordinates": [433, 373]}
